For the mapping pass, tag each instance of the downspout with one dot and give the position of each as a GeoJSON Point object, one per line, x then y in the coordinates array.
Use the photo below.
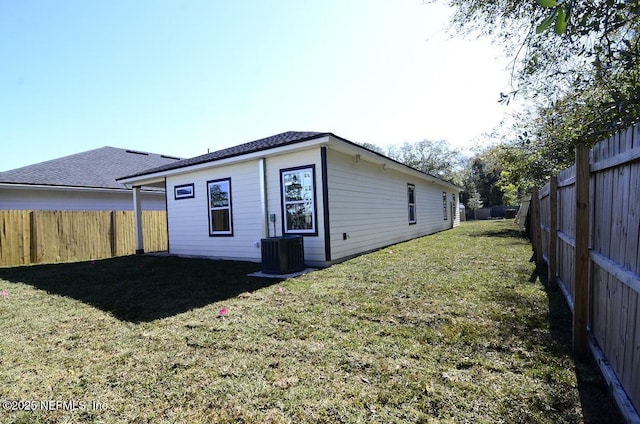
{"type": "Point", "coordinates": [264, 205]}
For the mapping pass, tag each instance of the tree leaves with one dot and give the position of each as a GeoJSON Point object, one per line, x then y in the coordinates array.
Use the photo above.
{"type": "Point", "coordinates": [437, 158]}
{"type": "Point", "coordinates": [547, 3]}
{"type": "Point", "coordinates": [546, 23]}
{"type": "Point", "coordinates": [575, 63]}
{"type": "Point", "coordinates": [559, 16]}
{"type": "Point", "coordinates": [561, 22]}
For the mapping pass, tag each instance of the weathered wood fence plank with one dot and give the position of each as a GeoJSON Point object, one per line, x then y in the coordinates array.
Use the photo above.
{"type": "Point", "coordinates": [28, 237]}
{"type": "Point", "coordinates": [15, 238]}
{"type": "Point", "coordinates": [598, 263]}
{"type": "Point", "coordinates": [553, 232]}
{"type": "Point", "coordinates": [581, 270]}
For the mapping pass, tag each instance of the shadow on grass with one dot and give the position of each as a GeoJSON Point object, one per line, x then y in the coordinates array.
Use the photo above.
{"type": "Point", "coordinates": [597, 402]}
{"type": "Point", "coordinates": [142, 288]}
{"type": "Point", "coordinates": [502, 232]}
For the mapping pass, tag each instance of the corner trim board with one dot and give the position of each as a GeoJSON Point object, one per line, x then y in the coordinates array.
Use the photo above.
{"type": "Point", "coordinates": [166, 214]}
{"type": "Point", "coordinates": [325, 204]}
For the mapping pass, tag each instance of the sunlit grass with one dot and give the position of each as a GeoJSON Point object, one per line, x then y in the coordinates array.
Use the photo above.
{"type": "Point", "coordinates": [449, 327]}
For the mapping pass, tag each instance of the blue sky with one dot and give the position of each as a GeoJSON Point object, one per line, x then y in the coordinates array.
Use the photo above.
{"type": "Point", "coordinates": [182, 77]}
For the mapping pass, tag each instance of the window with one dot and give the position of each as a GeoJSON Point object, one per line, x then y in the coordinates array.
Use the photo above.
{"type": "Point", "coordinates": [444, 205]}
{"type": "Point", "coordinates": [219, 197]}
{"type": "Point", "coordinates": [299, 200]}
{"type": "Point", "coordinates": [411, 199]}
{"type": "Point", "coordinates": [184, 191]}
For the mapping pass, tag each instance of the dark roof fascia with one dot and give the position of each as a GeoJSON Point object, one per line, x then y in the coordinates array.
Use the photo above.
{"type": "Point", "coordinates": [177, 165]}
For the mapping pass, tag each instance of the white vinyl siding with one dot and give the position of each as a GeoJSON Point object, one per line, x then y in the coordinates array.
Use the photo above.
{"type": "Point", "coordinates": [455, 200]}
{"type": "Point", "coordinates": [67, 200]}
{"type": "Point", "coordinates": [188, 219]}
{"type": "Point", "coordinates": [314, 252]}
{"type": "Point", "coordinates": [369, 204]}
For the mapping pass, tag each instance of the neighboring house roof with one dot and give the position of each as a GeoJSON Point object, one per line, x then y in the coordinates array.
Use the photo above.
{"type": "Point", "coordinates": [96, 168]}
{"type": "Point", "coordinates": [278, 140]}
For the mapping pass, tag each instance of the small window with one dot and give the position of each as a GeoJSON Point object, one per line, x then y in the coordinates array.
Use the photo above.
{"type": "Point", "coordinates": [299, 200]}
{"type": "Point", "coordinates": [219, 197]}
{"type": "Point", "coordinates": [184, 191]}
{"type": "Point", "coordinates": [411, 199]}
{"type": "Point", "coordinates": [444, 205]}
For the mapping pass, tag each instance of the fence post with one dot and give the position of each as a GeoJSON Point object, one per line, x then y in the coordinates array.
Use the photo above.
{"type": "Point", "coordinates": [137, 220]}
{"type": "Point", "coordinates": [114, 234]}
{"type": "Point", "coordinates": [553, 232]}
{"type": "Point", "coordinates": [535, 226]}
{"type": "Point", "coordinates": [581, 288]}
{"type": "Point", "coordinates": [33, 223]}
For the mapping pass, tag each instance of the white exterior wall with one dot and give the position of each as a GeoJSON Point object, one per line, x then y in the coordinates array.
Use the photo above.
{"type": "Point", "coordinates": [456, 209]}
{"type": "Point", "coordinates": [314, 252]}
{"type": "Point", "coordinates": [59, 199]}
{"type": "Point", "coordinates": [366, 202]}
{"type": "Point", "coordinates": [370, 205]}
{"type": "Point", "coordinates": [188, 219]}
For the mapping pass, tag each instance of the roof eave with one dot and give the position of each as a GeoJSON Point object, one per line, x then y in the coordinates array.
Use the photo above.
{"type": "Point", "coordinates": [144, 179]}
{"type": "Point", "coordinates": [326, 139]}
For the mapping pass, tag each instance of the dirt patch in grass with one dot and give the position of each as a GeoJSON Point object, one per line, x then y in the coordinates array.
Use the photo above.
{"type": "Point", "coordinates": [454, 327]}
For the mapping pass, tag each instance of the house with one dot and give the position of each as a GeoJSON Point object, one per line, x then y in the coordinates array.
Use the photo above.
{"type": "Point", "coordinates": [343, 198]}
{"type": "Point", "coordinates": [83, 181]}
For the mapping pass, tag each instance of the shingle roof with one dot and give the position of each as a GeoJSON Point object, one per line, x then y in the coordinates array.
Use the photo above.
{"type": "Point", "coordinates": [278, 140]}
{"type": "Point", "coordinates": [96, 168]}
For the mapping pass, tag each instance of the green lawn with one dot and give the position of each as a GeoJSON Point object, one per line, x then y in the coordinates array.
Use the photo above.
{"type": "Point", "coordinates": [453, 327]}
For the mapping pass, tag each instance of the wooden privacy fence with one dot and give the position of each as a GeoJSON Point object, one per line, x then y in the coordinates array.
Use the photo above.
{"type": "Point", "coordinates": [586, 224]}
{"type": "Point", "coordinates": [29, 237]}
